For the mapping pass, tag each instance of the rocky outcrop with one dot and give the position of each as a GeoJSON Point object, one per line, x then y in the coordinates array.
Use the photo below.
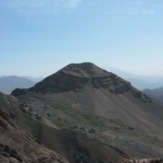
{"type": "Point", "coordinates": [111, 82]}
{"type": "Point", "coordinates": [158, 160]}
{"type": "Point", "coordinates": [6, 151]}
{"type": "Point", "coordinates": [17, 146]}
{"type": "Point", "coordinates": [5, 120]}
{"type": "Point", "coordinates": [60, 82]}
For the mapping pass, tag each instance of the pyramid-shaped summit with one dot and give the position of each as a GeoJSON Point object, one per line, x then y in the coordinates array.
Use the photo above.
{"type": "Point", "coordinates": [86, 69]}
{"type": "Point", "coordinates": [76, 77]}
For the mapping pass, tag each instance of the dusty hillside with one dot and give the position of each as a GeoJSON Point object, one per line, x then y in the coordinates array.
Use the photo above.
{"type": "Point", "coordinates": [16, 145]}
{"type": "Point", "coordinates": [75, 146]}
{"type": "Point", "coordinates": [94, 105]}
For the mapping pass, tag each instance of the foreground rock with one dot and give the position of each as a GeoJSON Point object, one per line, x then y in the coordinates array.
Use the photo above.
{"type": "Point", "coordinates": [17, 146]}
{"type": "Point", "coordinates": [143, 161]}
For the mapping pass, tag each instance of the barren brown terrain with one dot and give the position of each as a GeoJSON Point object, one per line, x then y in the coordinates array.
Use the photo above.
{"type": "Point", "coordinates": [89, 115]}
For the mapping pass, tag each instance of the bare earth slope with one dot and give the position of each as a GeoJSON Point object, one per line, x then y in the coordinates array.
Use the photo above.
{"type": "Point", "coordinates": [74, 146]}
{"type": "Point", "coordinates": [16, 145]}
{"type": "Point", "coordinates": [91, 104]}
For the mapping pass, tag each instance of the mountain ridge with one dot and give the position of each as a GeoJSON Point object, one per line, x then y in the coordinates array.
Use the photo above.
{"type": "Point", "coordinates": [76, 76]}
{"type": "Point", "coordinates": [84, 99]}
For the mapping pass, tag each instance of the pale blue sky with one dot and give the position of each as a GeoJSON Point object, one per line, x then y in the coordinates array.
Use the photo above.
{"type": "Point", "coordinates": [38, 37]}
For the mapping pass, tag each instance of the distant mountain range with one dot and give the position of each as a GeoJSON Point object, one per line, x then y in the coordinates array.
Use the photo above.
{"type": "Point", "coordinates": [157, 94]}
{"type": "Point", "coordinates": [138, 81]}
{"type": "Point", "coordinates": [144, 84]}
{"type": "Point", "coordinates": [9, 83]}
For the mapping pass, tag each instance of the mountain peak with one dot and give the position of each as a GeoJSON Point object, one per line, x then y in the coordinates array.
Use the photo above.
{"type": "Point", "coordinates": [85, 69]}
{"type": "Point", "coordinates": [77, 77]}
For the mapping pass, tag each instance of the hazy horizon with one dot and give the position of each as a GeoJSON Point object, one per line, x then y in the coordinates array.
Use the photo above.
{"type": "Point", "coordinates": [38, 37]}
{"type": "Point", "coordinates": [109, 68]}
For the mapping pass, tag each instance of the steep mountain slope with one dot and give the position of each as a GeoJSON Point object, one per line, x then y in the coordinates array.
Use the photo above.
{"type": "Point", "coordinates": [18, 146]}
{"type": "Point", "coordinates": [91, 105]}
{"type": "Point", "coordinates": [9, 83]}
{"type": "Point", "coordinates": [75, 146]}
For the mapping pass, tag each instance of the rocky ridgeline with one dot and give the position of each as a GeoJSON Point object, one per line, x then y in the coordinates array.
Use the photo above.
{"type": "Point", "coordinates": [11, 153]}
{"type": "Point", "coordinates": [75, 77]}
{"type": "Point", "coordinates": [15, 145]}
